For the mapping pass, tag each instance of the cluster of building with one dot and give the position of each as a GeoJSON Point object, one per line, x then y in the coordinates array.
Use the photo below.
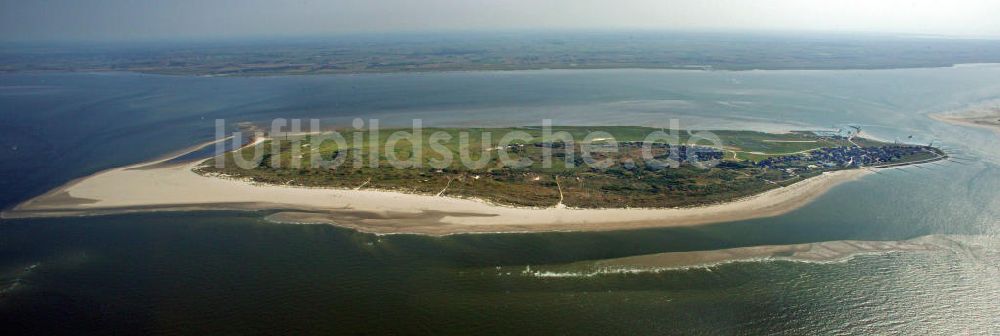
{"type": "Point", "coordinates": [843, 157]}
{"type": "Point", "coordinates": [698, 153]}
{"type": "Point", "coordinates": [662, 151]}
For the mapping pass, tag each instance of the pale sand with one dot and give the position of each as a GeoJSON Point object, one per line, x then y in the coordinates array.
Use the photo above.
{"type": "Point", "coordinates": [159, 186]}
{"type": "Point", "coordinates": [830, 251]}
{"type": "Point", "coordinates": [986, 118]}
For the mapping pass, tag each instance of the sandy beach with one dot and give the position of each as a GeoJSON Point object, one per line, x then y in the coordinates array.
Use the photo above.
{"type": "Point", "coordinates": [161, 186]}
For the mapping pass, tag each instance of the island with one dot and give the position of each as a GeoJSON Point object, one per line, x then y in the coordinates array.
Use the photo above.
{"type": "Point", "coordinates": [614, 180]}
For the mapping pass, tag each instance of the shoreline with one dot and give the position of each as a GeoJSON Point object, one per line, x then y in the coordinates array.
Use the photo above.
{"type": "Point", "coordinates": [158, 186]}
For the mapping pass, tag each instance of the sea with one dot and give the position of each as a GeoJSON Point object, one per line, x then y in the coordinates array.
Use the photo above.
{"type": "Point", "coordinates": [231, 272]}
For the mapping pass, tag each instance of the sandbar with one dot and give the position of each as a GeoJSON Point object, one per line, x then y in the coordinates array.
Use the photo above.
{"type": "Point", "coordinates": [987, 117]}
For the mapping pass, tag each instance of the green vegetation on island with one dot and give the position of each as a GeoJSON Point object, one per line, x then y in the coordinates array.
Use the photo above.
{"type": "Point", "coordinates": [605, 167]}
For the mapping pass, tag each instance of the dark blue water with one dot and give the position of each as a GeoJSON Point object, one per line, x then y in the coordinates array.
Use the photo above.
{"type": "Point", "coordinates": [235, 273]}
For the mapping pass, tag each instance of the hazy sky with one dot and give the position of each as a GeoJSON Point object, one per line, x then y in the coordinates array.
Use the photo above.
{"type": "Point", "coordinates": [134, 19]}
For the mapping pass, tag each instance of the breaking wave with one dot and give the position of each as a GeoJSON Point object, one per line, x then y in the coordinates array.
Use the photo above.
{"type": "Point", "coordinates": [814, 253]}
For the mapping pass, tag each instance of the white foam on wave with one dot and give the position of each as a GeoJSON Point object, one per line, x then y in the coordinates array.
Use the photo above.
{"type": "Point", "coordinates": [18, 279]}
{"type": "Point", "coordinates": [834, 252]}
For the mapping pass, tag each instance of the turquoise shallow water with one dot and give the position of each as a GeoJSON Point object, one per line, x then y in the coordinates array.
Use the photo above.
{"type": "Point", "coordinates": [235, 273]}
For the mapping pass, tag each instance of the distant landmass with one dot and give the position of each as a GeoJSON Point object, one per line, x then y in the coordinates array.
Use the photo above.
{"type": "Point", "coordinates": [501, 51]}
